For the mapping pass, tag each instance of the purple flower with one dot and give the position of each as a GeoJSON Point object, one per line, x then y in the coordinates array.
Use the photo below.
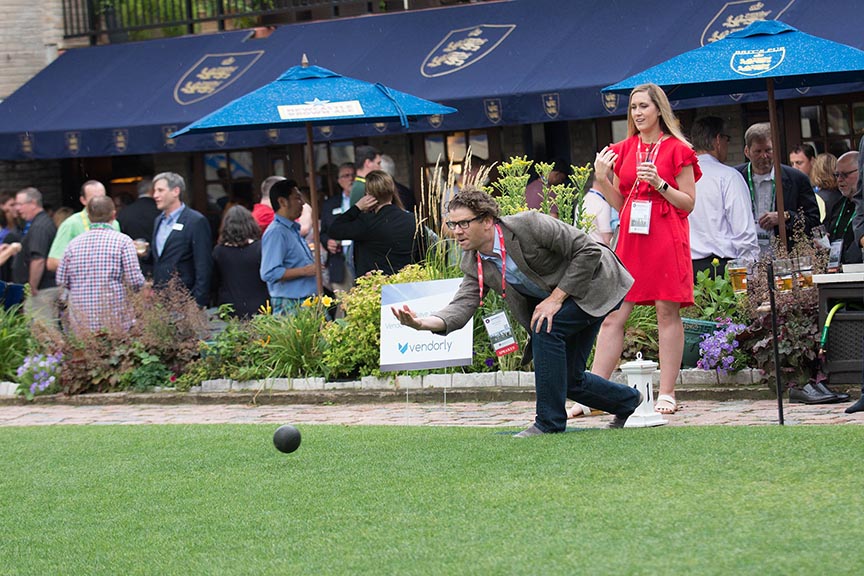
{"type": "Point", "coordinates": [490, 362]}
{"type": "Point", "coordinates": [717, 349]}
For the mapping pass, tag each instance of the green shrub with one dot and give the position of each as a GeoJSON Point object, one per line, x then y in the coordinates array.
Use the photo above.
{"type": "Point", "coordinates": [353, 342]}
{"type": "Point", "coordinates": [15, 341]}
{"type": "Point", "coordinates": [294, 345]}
{"type": "Point", "coordinates": [168, 326]}
{"type": "Point", "coordinates": [148, 372]}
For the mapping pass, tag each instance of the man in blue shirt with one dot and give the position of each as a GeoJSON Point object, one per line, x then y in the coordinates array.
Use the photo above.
{"type": "Point", "coordinates": [287, 264]}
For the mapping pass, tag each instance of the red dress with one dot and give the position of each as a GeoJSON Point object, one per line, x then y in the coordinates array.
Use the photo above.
{"type": "Point", "coordinates": [659, 261]}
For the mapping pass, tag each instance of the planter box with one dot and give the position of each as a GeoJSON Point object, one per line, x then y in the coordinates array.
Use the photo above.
{"type": "Point", "coordinates": [693, 331]}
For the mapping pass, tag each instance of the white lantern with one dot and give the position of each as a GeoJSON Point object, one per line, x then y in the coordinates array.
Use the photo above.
{"type": "Point", "coordinates": [639, 373]}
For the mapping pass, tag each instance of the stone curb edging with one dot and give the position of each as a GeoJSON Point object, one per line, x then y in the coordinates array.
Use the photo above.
{"type": "Point", "coordinates": [488, 386]}
{"type": "Point", "coordinates": [686, 378]}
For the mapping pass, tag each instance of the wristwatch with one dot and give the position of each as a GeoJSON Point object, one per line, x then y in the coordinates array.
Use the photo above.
{"type": "Point", "coordinates": [663, 187]}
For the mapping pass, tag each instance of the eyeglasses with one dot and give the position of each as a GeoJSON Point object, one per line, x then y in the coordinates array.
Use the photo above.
{"type": "Point", "coordinates": [844, 175]}
{"type": "Point", "coordinates": [463, 224]}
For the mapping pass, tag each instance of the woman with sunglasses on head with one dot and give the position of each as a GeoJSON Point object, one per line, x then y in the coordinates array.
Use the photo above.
{"type": "Point", "coordinates": [386, 237]}
{"type": "Point", "coordinates": [650, 178]}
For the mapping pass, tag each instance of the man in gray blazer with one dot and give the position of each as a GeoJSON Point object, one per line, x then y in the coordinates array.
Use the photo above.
{"type": "Point", "coordinates": [560, 285]}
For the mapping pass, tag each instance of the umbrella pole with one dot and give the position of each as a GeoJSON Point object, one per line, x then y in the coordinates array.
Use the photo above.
{"type": "Point", "coordinates": [778, 171]}
{"type": "Point", "coordinates": [313, 199]}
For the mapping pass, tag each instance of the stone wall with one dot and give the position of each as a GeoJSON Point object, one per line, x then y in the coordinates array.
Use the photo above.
{"type": "Point", "coordinates": [43, 174]}
{"type": "Point", "coordinates": [31, 37]}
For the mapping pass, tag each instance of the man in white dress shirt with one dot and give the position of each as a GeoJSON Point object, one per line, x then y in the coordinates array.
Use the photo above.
{"type": "Point", "coordinates": [721, 223]}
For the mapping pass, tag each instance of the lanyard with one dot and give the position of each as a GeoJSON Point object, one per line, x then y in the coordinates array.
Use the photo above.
{"type": "Point", "coordinates": [837, 223]}
{"type": "Point", "coordinates": [503, 266]}
{"type": "Point", "coordinates": [84, 220]}
{"type": "Point", "coordinates": [753, 190]}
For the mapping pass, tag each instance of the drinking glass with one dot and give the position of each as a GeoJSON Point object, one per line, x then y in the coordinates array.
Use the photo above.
{"type": "Point", "coordinates": [783, 275]}
{"type": "Point", "coordinates": [737, 271]}
{"type": "Point", "coordinates": [804, 271]}
{"type": "Point", "coordinates": [141, 246]}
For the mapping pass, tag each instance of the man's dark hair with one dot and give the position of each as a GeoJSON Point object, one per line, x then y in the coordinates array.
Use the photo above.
{"type": "Point", "coordinates": [561, 165]}
{"type": "Point", "coordinates": [704, 131]}
{"type": "Point", "coordinates": [281, 189]}
{"type": "Point", "coordinates": [474, 199]}
{"type": "Point", "coordinates": [806, 149]}
{"type": "Point", "coordinates": [364, 153]}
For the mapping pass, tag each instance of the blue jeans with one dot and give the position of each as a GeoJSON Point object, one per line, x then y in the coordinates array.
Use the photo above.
{"type": "Point", "coordinates": [559, 370]}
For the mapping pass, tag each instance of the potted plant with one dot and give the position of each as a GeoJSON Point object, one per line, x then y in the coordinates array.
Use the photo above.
{"type": "Point", "coordinates": [714, 301]}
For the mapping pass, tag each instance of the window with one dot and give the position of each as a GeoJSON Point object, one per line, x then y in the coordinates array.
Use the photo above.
{"type": "Point", "coordinates": [228, 178]}
{"type": "Point", "coordinates": [835, 128]}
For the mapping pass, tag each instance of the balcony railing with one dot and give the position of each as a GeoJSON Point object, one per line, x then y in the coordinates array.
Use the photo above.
{"type": "Point", "coordinates": [121, 20]}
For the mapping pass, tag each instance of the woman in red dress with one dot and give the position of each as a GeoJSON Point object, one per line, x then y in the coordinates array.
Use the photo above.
{"type": "Point", "coordinates": [654, 189]}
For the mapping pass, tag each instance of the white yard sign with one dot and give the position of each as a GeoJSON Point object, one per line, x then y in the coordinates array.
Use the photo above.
{"type": "Point", "coordinates": [404, 348]}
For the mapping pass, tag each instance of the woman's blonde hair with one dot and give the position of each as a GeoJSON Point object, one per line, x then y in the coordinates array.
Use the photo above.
{"type": "Point", "coordinates": [822, 172]}
{"type": "Point", "coordinates": [382, 187]}
{"type": "Point", "coordinates": [668, 121]}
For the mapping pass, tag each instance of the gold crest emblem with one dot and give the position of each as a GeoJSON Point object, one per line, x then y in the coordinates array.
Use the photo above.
{"type": "Point", "coordinates": [492, 108]}
{"type": "Point", "coordinates": [26, 140]}
{"type": "Point", "coordinates": [121, 140]}
{"type": "Point", "coordinates": [756, 62]}
{"type": "Point", "coordinates": [273, 135]}
{"type": "Point", "coordinates": [211, 74]}
{"type": "Point", "coordinates": [552, 104]}
{"type": "Point", "coordinates": [167, 140]}
{"type": "Point", "coordinates": [435, 120]}
{"type": "Point", "coordinates": [737, 15]}
{"type": "Point", "coordinates": [461, 48]}
{"type": "Point", "coordinates": [610, 101]}
{"type": "Point", "coordinates": [73, 142]}
{"type": "Point", "coordinates": [381, 126]}
{"type": "Point", "coordinates": [326, 131]}
{"type": "Point", "coordinates": [220, 138]}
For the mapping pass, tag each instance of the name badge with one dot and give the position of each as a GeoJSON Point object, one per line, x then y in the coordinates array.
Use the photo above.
{"type": "Point", "coordinates": [177, 226]}
{"type": "Point", "coordinates": [640, 216]}
{"type": "Point", "coordinates": [337, 211]}
{"type": "Point", "coordinates": [500, 333]}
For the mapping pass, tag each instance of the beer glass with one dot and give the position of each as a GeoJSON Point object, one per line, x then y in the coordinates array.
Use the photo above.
{"type": "Point", "coordinates": [737, 272]}
{"type": "Point", "coordinates": [804, 271]}
{"type": "Point", "coordinates": [783, 275]}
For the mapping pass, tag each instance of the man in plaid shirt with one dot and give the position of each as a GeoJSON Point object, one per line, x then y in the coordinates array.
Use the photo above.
{"type": "Point", "coordinates": [97, 269]}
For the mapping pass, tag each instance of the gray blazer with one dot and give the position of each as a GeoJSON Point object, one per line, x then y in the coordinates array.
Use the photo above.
{"type": "Point", "coordinates": [552, 254]}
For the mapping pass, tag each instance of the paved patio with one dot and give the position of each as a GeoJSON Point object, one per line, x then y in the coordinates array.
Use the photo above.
{"type": "Point", "coordinates": [505, 414]}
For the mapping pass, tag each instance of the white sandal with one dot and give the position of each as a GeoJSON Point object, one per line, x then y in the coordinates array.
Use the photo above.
{"type": "Point", "coordinates": [666, 404]}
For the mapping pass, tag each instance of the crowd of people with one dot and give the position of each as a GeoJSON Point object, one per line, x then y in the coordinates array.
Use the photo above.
{"type": "Point", "coordinates": [262, 251]}
{"type": "Point", "coordinates": [665, 207]}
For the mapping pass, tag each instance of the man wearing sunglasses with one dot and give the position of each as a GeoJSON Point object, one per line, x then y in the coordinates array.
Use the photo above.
{"type": "Point", "coordinates": [557, 282]}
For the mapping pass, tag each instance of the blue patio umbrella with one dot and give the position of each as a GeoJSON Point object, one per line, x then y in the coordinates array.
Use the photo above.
{"type": "Point", "coordinates": [309, 95]}
{"type": "Point", "coordinates": [766, 54]}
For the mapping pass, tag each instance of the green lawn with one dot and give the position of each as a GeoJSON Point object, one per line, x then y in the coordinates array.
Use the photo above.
{"type": "Point", "coordinates": [391, 500]}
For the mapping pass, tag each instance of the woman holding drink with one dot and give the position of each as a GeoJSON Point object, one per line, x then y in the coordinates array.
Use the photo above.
{"type": "Point", "coordinates": [653, 185]}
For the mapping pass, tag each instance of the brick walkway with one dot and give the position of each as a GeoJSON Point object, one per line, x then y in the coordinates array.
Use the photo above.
{"type": "Point", "coordinates": [508, 414]}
